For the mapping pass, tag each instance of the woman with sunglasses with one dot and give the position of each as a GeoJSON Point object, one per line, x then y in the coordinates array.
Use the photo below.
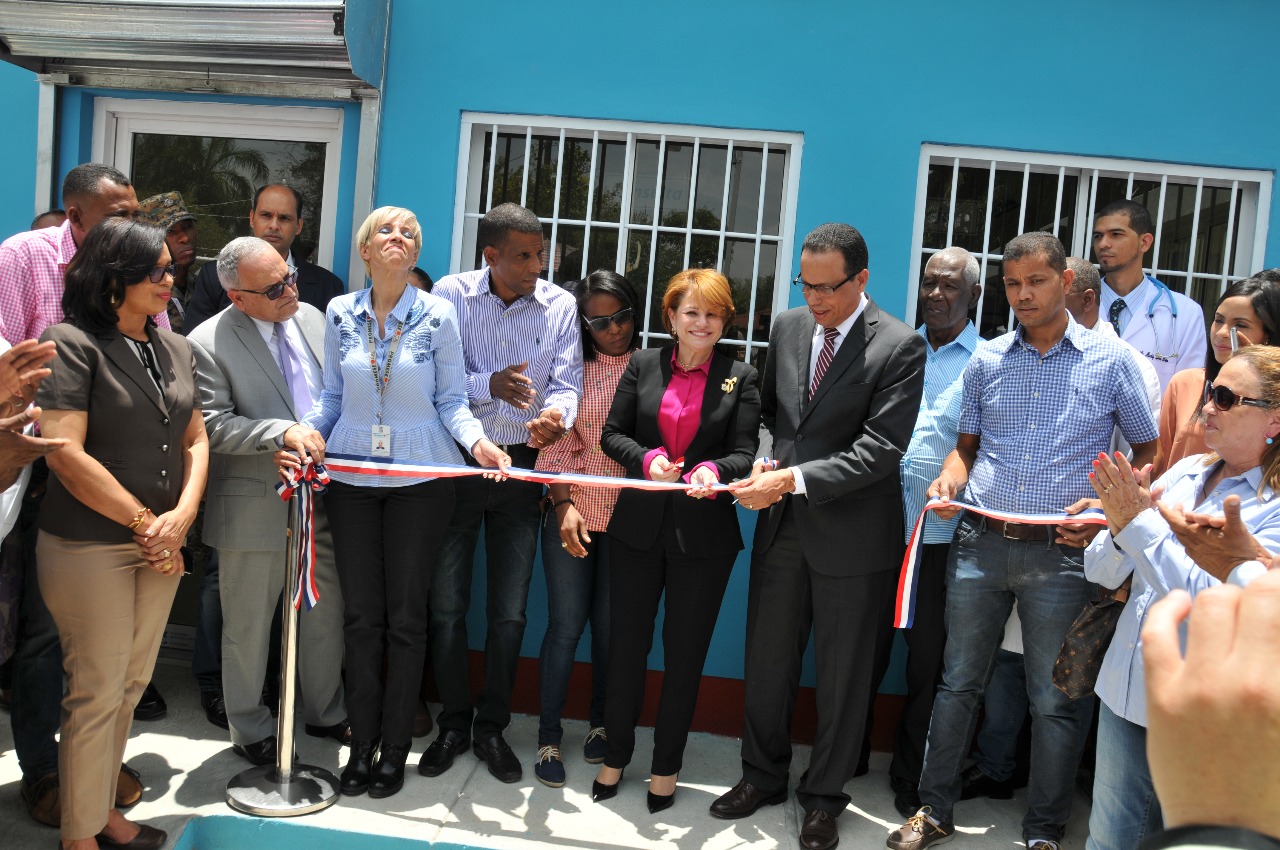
{"type": "Point", "coordinates": [122, 494]}
{"type": "Point", "coordinates": [575, 543]}
{"type": "Point", "coordinates": [395, 390]}
{"type": "Point", "coordinates": [1241, 420]}
{"type": "Point", "coordinates": [1250, 308]}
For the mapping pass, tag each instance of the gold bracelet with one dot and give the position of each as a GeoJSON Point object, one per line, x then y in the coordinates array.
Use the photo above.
{"type": "Point", "coordinates": [138, 518]}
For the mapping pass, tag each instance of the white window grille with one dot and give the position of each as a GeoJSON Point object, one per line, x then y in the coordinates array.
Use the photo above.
{"type": "Point", "coordinates": [645, 200]}
{"type": "Point", "coordinates": [1210, 223]}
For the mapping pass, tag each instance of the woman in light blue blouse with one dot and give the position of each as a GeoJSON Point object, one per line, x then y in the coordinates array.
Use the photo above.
{"type": "Point", "coordinates": [1241, 416]}
{"type": "Point", "coordinates": [395, 389]}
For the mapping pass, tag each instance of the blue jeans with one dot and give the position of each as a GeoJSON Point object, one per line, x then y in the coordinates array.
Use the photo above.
{"type": "Point", "coordinates": [985, 574]}
{"type": "Point", "coordinates": [1125, 808]}
{"type": "Point", "coordinates": [1005, 707]}
{"type": "Point", "coordinates": [577, 591]}
{"type": "Point", "coordinates": [509, 512]}
{"type": "Point", "coordinates": [206, 659]}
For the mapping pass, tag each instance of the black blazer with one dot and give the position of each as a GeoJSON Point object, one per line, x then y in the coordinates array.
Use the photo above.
{"type": "Point", "coordinates": [848, 440]}
{"type": "Point", "coordinates": [316, 286]}
{"type": "Point", "coordinates": [131, 431]}
{"type": "Point", "coordinates": [727, 436]}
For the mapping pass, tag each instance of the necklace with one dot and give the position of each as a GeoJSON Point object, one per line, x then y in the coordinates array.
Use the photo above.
{"type": "Point", "coordinates": [686, 366]}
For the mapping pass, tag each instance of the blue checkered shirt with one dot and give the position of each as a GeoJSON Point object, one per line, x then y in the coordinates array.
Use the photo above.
{"type": "Point", "coordinates": [1042, 420]}
{"type": "Point", "coordinates": [539, 329]}
{"type": "Point", "coordinates": [934, 436]}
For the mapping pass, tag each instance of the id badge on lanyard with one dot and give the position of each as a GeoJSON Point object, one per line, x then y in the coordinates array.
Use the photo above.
{"type": "Point", "coordinates": [379, 434]}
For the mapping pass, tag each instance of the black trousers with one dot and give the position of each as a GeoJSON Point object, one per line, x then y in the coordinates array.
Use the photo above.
{"type": "Point", "coordinates": [694, 590]}
{"type": "Point", "coordinates": [926, 640]}
{"type": "Point", "coordinates": [850, 618]}
{"type": "Point", "coordinates": [386, 541]}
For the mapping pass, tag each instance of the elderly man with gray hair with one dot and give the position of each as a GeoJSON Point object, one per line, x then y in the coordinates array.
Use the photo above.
{"type": "Point", "coordinates": [258, 365]}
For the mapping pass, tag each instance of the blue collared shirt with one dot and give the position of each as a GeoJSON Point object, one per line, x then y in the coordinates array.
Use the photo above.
{"type": "Point", "coordinates": [1148, 549]}
{"type": "Point", "coordinates": [539, 329]}
{"type": "Point", "coordinates": [935, 433]}
{"type": "Point", "coordinates": [425, 404]}
{"type": "Point", "coordinates": [1042, 420]}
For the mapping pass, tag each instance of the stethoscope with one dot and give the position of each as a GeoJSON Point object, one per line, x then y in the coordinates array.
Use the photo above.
{"type": "Point", "coordinates": [1162, 291]}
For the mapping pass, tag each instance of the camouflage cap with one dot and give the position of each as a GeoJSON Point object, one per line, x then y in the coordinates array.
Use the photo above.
{"type": "Point", "coordinates": [165, 210]}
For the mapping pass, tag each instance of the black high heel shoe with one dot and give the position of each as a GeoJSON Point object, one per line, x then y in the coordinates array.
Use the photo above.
{"type": "Point", "coordinates": [659, 802]}
{"type": "Point", "coordinates": [388, 772]}
{"type": "Point", "coordinates": [601, 792]}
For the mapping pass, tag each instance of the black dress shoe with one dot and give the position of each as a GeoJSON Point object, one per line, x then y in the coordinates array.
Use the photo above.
{"type": "Point", "coordinates": [443, 750]}
{"type": "Point", "coordinates": [148, 838]}
{"type": "Point", "coordinates": [355, 776]}
{"type": "Point", "coordinates": [388, 772]}
{"type": "Point", "coordinates": [658, 802]}
{"type": "Point", "coordinates": [819, 831]}
{"type": "Point", "coordinates": [503, 764]}
{"type": "Point", "coordinates": [975, 783]}
{"type": "Point", "coordinates": [263, 752]}
{"type": "Point", "coordinates": [601, 792]}
{"type": "Point", "coordinates": [340, 732]}
{"type": "Point", "coordinates": [907, 800]}
{"type": "Point", "coordinates": [742, 800]}
{"type": "Point", "coordinates": [152, 706]}
{"type": "Point", "coordinates": [215, 708]}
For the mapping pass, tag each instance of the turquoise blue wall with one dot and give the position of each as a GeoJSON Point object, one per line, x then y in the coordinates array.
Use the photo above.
{"type": "Point", "coordinates": [866, 84]}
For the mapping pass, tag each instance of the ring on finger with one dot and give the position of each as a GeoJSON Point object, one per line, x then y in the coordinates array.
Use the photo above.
{"type": "Point", "coordinates": [1109, 488]}
{"type": "Point", "coordinates": [165, 553]}
{"type": "Point", "coordinates": [564, 545]}
{"type": "Point", "coordinates": [166, 566]}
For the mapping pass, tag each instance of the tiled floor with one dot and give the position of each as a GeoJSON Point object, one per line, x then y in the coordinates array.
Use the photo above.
{"type": "Point", "coordinates": [185, 764]}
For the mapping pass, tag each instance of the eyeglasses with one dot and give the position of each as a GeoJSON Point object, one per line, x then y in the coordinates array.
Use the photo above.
{"type": "Point", "coordinates": [1224, 399]}
{"type": "Point", "coordinates": [157, 274]}
{"type": "Point", "coordinates": [821, 288]}
{"type": "Point", "coordinates": [275, 290]}
{"type": "Point", "coordinates": [600, 324]}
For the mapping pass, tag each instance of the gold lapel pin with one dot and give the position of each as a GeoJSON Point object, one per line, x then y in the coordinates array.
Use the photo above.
{"type": "Point", "coordinates": [729, 384]}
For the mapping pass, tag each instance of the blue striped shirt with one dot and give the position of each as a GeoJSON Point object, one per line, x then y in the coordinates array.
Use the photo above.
{"type": "Point", "coordinates": [426, 402]}
{"type": "Point", "coordinates": [539, 329]}
{"type": "Point", "coordinates": [935, 433]}
{"type": "Point", "coordinates": [1042, 420]}
{"type": "Point", "coordinates": [1159, 564]}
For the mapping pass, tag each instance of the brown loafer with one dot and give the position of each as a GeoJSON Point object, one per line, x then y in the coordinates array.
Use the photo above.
{"type": "Point", "coordinates": [148, 838]}
{"type": "Point", "coordinates": [819, 831]}
{"type": "Point", "coordinates": [128, 787]}
{"type": "Point", "coordinates": [43, 800]}
{"type": "Point", "coordinates": [920, 831]}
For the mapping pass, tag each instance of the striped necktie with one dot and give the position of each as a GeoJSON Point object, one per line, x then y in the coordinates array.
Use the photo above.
{"type": "Point", "coordinates": [824, 358]}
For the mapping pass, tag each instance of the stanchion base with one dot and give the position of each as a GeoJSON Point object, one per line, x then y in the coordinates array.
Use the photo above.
{"type": "Point", "coordinates": [259, 791]}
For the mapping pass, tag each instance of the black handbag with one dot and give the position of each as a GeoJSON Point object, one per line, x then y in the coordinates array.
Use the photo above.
{"type": "Point", "coordinates": [1076, 671]}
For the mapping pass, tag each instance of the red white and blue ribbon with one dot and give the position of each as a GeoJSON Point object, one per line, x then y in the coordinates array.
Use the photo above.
{"type": "Point", "coordinates": [357, 465]}
{"type": "Point", "coordinates": [305, 483]}
{"type": "Point", "coordinates": [904, 607]}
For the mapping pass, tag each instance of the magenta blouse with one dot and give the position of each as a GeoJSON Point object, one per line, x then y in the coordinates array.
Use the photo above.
{"type": "Point", "coordinates": [680, 414]}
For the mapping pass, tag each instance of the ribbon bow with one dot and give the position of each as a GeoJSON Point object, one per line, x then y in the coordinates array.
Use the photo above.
{"type": "Point", "coordinates": [306, 482]}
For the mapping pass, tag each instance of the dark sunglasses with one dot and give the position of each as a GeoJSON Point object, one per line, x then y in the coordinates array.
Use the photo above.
{"type": "Point", "coordinates": [157, 274]}
{"type": "Point", "coordinates": [1224, 399]}
{"type": "Point", "coordinates": [275, 290]}
{"type": "Point", "coordinates": [600, 324]}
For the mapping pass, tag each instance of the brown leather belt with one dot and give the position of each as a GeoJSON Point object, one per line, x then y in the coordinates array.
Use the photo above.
{"type": "Point", "coordinates": [1021, 530]}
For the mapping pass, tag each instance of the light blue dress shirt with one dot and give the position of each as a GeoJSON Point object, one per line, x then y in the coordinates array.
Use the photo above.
{"type": "Point", "coordinates": [426, 402]}
{"type": "Point", "coordinates": [1043, 419]}
{"type": "Point", "coordinates": [935, 433]}
{"type": "Point", "coordinates": [1148, 549]}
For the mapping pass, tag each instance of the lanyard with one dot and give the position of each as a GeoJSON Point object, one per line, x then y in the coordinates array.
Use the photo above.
{"type": "Point", "coordinates": [382, 378]}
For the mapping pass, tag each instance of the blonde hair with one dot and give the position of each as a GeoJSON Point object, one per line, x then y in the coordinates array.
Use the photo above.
{"type": "Point", "coordinates": [705, 285]}
{"type": "Point", "coordinates": [1264, 360]}
{"type": "Point", "coordinates": [381, 216]}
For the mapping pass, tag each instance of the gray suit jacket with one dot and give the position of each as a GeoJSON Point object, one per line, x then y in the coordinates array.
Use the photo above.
{"type": "Point", "coordinates": [848, 440]}
{"type": "Point", "coordinates": [247, 407]}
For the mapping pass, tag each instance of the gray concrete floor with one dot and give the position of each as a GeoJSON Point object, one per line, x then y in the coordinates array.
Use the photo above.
{"type": "Point", "coordinates": [185, 764]}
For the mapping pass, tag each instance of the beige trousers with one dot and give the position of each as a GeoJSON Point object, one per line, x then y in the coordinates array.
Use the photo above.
{"type": "Point", "coordinates": [110, 611]}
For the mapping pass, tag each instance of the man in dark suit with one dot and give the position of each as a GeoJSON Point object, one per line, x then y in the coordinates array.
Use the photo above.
{"type": "Point", "coordinates": [276, 217]}
{"type": "Point", "coordinates": [840, 394]}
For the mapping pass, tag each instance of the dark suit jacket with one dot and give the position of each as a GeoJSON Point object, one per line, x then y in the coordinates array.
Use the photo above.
{"type": "Point", "coordinates": [131, 431]}
{"type": "Point", "coordinates": [848, 440]}
{"type": "Point", "coordinates": [316, 286]}
{"type": "Point", "coordinates": [727, 436]}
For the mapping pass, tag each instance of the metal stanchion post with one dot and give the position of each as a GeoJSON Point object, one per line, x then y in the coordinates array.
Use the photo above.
{"type": "Point", "coordinates": [285, 789]}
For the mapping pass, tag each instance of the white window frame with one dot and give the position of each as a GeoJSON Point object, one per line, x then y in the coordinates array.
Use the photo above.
{"type": "Point", "coordinates": [467, 193]}
{"type": "Point", "coordinates": [1252, 187]}
{"type": "Point", "coordinates": [115, 120]}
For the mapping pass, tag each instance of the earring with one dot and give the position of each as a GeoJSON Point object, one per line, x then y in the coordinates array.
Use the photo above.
{"type": "Point", "coordinates": [1270, 441]}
